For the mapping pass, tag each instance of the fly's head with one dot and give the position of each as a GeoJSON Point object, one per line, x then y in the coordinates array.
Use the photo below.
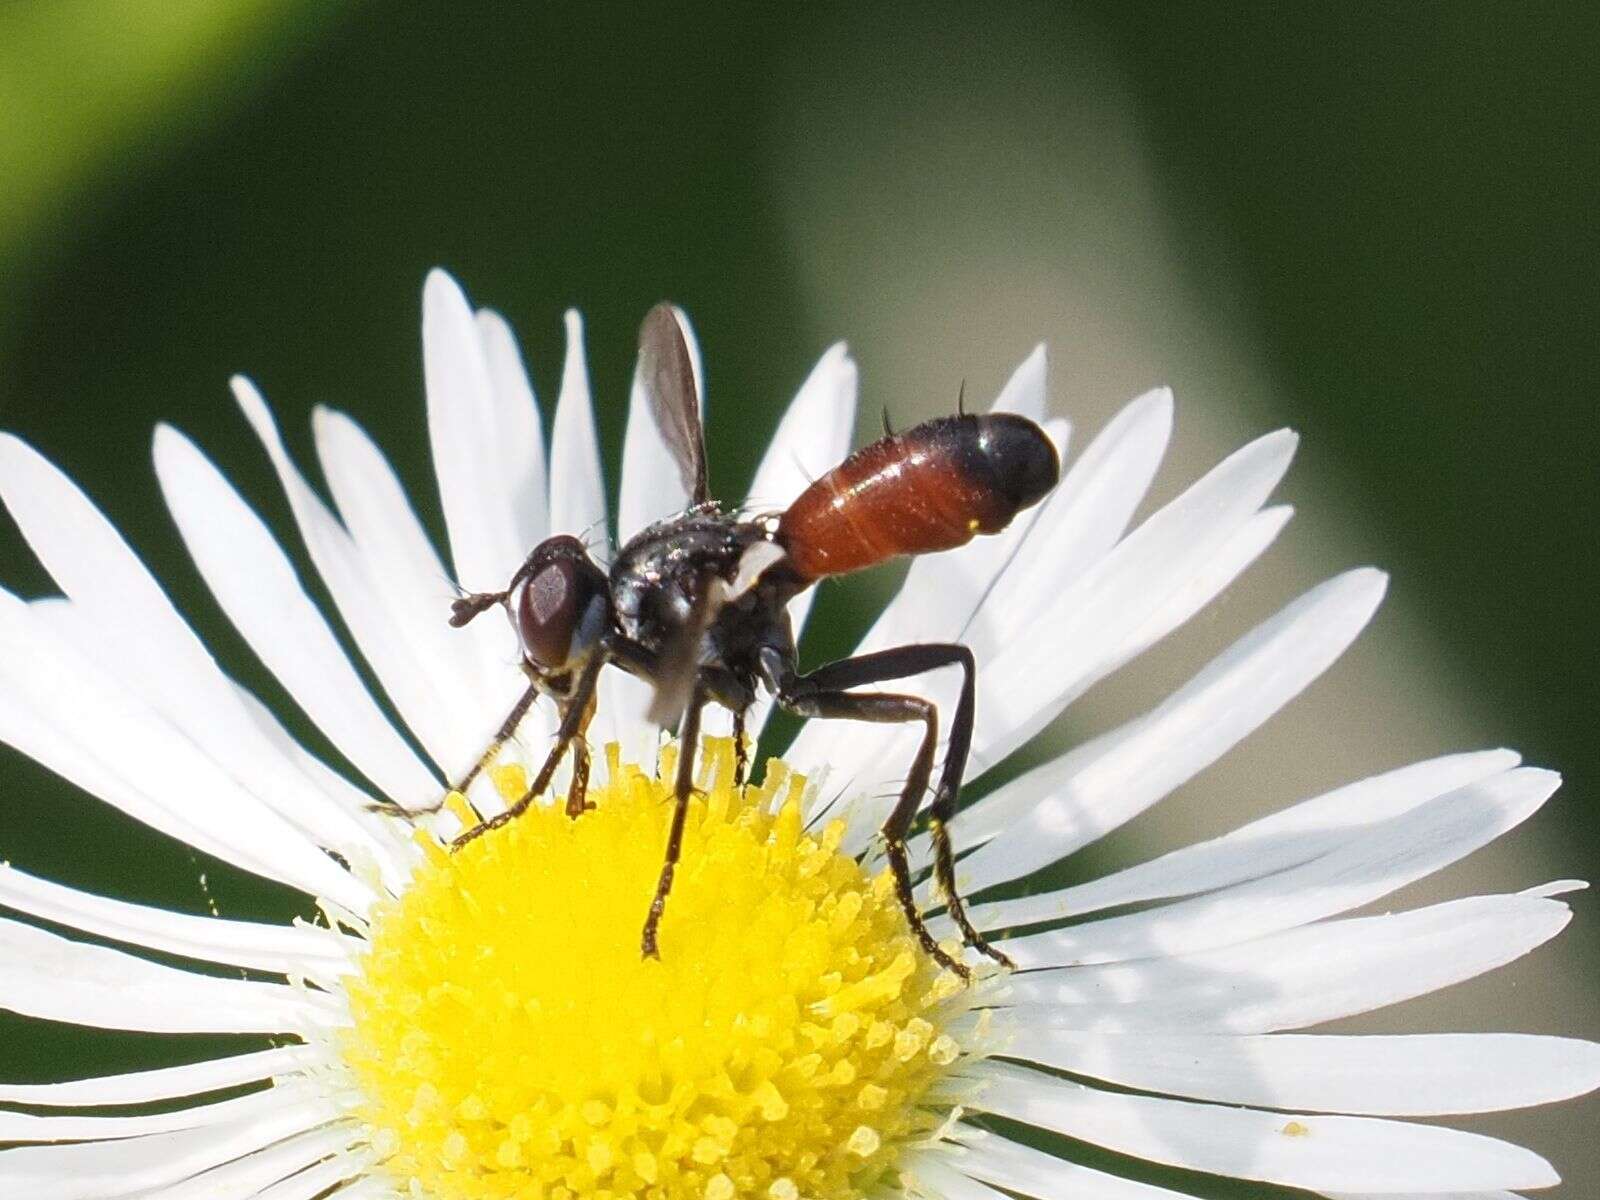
{"type": "Point", "coordinates": [559, 605]}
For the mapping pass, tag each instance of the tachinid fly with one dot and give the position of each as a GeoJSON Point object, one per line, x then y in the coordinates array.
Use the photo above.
{"type": "Point", "coordinates": [695, 605]}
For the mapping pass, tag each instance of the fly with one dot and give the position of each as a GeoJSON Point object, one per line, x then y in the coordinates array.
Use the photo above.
{"type": "Point", "coordinates": [696, 606]}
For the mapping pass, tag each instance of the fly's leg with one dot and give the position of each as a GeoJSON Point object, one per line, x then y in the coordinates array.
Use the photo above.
{"type": "Point", "coordinates": [741, 759]}
{"type": "Point", "coordinates": [577, 804]}
{"type": "Point", "coordinates": [507, 731]}
{"type": "Point", "coordinates": [683, 788]}
{"type": "Point", "coordinates": [574, 719]}
{"type": "Point", "coordinates": [891, 708]}
{"type": "Point", "coordinates": [578, 791]}
{"type": "Point", "coordinates": [821, 691]}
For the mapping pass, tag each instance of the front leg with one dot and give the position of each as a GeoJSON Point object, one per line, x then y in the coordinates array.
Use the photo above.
{"type": "Point", "coordinates": [575, 714]}
{"type": "Point", "coordinates": [507, 731]}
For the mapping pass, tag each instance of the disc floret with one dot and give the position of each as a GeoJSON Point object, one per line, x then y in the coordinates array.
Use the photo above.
{"type": "Point", "coordinates": [511, 1042]}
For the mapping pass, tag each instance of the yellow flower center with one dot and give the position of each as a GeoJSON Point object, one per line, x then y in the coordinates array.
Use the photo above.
{"type": "Point", "coordinates": [510, 1042]}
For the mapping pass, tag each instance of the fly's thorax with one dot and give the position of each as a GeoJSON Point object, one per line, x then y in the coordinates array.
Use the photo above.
{"type": "Point", "coordinates": [659, 574]}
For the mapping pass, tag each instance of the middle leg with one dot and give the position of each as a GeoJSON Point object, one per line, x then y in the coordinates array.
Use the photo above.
{"type": "Point", "coordinates": [683, 788]}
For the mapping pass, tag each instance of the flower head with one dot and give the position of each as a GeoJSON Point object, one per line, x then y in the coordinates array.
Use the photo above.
{"type": "Point", "coordinates": [480, 1024]}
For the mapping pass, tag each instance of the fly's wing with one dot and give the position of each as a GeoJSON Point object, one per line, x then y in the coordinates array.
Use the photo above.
{"type": "Point", "coordinates": [680, 656]}
{"type": "Point", "coordinates": [668, 377]}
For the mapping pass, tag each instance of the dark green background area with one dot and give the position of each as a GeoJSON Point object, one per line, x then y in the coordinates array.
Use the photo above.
{"type": "Point", "coordinates": [1406, 194]}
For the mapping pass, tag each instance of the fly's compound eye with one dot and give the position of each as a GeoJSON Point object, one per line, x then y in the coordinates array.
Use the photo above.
{"type": "Point", "coordinates": [554, 605]}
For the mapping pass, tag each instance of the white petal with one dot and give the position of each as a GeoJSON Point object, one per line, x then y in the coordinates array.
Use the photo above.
{"type": "Point", "coordinates": [1064, 805]}
{"type": "Point", "coordinates": [814, 435]}
{"type": "Point", "coordinates": [282, 949]}
{"type": "Point", "coordinates": [1086, 630]}
{"type": "Point", "coordinates": [1385, 856]}
{"type": "Point", "coordinates": [57, 979]}
{"type": "Point", "coordinates": [98, 733]}
{"type": "Point", "coordinates": [652, 484]}
{"type": "Point", "coordinates": [1300, 1150]}
{"type": "Point", "coordinates": [369, 1187]}
{"type": "Point", "coordinates": [396, 549]}
{"type": "Point", "coordinates": [433, 706]}
{"type": "Point", "coordinates": [94, 567]}
{"type": "Point", "coordinates": [314, 1182]}
{"type": "Point", "coordinates": [1027, 392]}
{"type": "Point", "coordinates": [622, 716]}
{"type": "Point", "coordinates": [395, 853]}
{"type": "Point", "coordinates": [278, 1171]}
{"type": "Point", "coordinates": [464, 431]}
{"type": "Point", "coordinates": [577, 487]}
{"type": "Point", "coordinates": [256, 586]}
{"type": "Point", "coordinates": [1416, 1075]}
{"type": "Point", "coordinates": [1033, 1172]}
{"type": "Point", "coordinates": [867, 812]}
{"type": "Point", "coordinates": [1297, 978]}
{"type": "Point", "coordinates": [317, 1182]}
{"type": "Point", "coordinates": [164, 1083]}
{"type": "Point", "coordinates": [75, 1127]}
{"type": "Point", "coordinates": [1557, 887]}
{"type": "Point", "coordinates": [520, 437]}
{"type": "Point", "coordinates": [1285, 839]}
{"type": "Point", "coordinates": [124, 1168]}
{"type": "Point", "coordinates": [264, 763]}
{"type": "Point", "coordinates": [140, 635]}
{"type": "Point", "coordinates": [57, 748]}
{"type": "Point", "coordinates": [932, 1177]}
{"type": "Point", "coordinates": [1382, 857]}
{"type": "Point", "coordinates": [1090, 510]}
{"type": "Point", "coordinates": [1246, 545]}
{"type": "Point", "coordinates": [469, 675]}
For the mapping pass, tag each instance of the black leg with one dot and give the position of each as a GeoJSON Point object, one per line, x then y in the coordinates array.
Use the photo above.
{"type": "Point", "coordinates": [821, 689]}
{"type": "Point", "coordinates": [507, 731]}
{"type": "Point", "coordinates": [578, 792]}
{"type": "Point", "coordinates": [683, 788]}
{"type": "Point", "coordinates": [574, 718]}
{"type": "Point", "coordinates": [741, 760]}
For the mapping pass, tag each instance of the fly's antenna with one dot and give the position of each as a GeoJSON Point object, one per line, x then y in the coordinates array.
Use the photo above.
{"type": "Point", "coordinates": [465, 608]}
{"type": "Point", "coordinates": [888, 429]}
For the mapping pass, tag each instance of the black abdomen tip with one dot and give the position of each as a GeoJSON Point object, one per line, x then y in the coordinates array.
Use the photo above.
{"type": "Point", "coordinates": [1022, 459]}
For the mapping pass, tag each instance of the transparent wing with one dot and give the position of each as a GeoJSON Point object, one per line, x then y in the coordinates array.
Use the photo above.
{"type": "Point", "coordinates": [680, 656]}
{"type": "Point", "coordinates": [667, 373]}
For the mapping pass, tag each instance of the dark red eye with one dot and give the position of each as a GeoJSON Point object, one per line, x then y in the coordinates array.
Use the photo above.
{"type": "Point", "coordinates": [550, 602]}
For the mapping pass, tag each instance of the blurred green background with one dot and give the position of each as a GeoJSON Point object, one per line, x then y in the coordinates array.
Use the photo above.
{"type": "Point", "coordinates": [1374, 223]}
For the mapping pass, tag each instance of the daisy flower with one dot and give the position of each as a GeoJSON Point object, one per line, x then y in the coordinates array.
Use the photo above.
{"type": "Point", "coordinates": [479, 1025]}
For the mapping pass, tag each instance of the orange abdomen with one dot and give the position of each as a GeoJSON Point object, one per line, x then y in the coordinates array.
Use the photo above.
{"type": "Point", "coordinates": [930, 488]}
